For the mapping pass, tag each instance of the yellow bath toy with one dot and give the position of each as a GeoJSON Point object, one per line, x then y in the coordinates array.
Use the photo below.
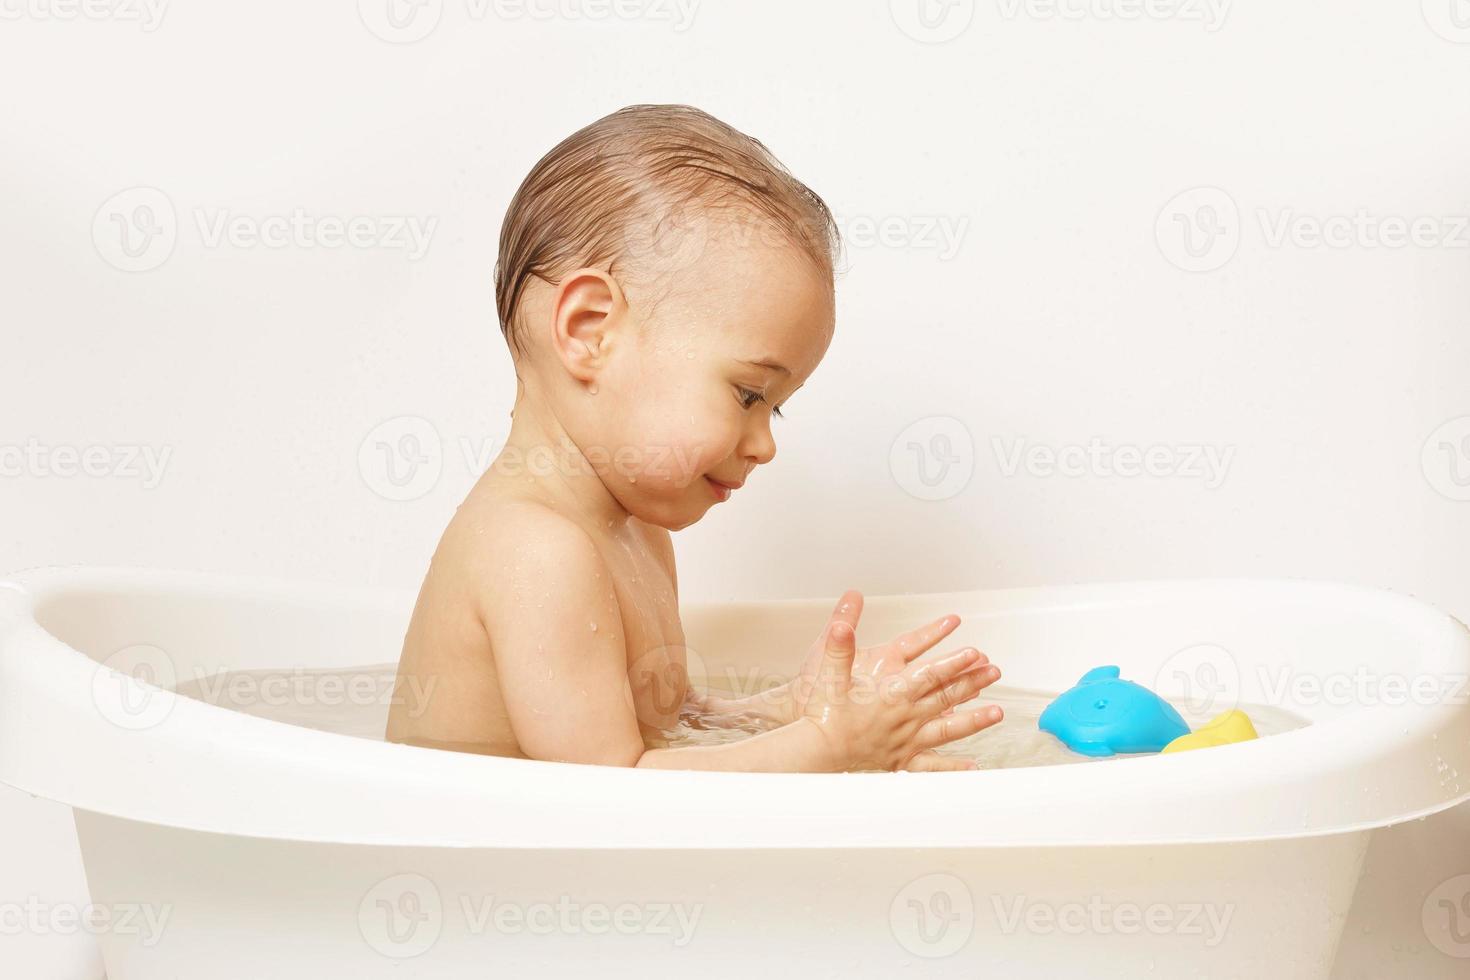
{"type": "Point", "coordinates": [1232, 726]}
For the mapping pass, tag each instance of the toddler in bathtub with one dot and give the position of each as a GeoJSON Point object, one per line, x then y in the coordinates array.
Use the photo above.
{"type": "Point", "coordinates": [664, 285]}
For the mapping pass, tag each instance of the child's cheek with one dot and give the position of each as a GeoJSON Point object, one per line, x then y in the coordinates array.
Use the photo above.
{"type": "Point", "coordinates": [682, 443]}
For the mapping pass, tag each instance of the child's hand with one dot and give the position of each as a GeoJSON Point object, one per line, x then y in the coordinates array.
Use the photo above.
{"type": "Point", "coordinates": [894, 718]}
{"type": "Point", "coordinates": [872, 661]}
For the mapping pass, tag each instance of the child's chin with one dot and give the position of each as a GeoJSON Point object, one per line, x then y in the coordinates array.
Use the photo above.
{"type": "Point", "coordinates": [674, 515]}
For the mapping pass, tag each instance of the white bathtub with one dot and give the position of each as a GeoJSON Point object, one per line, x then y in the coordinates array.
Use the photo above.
{"type": "Point", "coordinates": [236, 847]}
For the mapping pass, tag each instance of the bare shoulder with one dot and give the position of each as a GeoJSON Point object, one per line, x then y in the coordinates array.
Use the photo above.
{"type": "Point", "coordinates": [506, 533]}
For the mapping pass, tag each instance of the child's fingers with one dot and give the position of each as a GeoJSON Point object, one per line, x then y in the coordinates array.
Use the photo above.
{"type": "Point", "coordinates": [849, 607]}
{"type": "Point", "coordinates": [916, 641]}
{"type": "Point", "coordinates": [840, 648]}
{"type": "Point", "coordinates": [961, 724]}
{"type": "Point", "coordinates": [923, 679]}
{"type": "Point", "coordinates": [931, 761]}
{"type": "Point", "coordinates": [961, 689]}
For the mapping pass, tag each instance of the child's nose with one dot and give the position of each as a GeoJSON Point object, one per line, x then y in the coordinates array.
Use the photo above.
{"type": "Point", "coordinates": [759, 446]}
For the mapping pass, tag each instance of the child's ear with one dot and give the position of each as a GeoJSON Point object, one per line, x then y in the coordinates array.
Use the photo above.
{"type": "Point", "coordinates": [584, 311]}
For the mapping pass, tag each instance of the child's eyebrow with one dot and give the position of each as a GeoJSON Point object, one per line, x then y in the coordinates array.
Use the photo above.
{"type": "Point", "coordinates": [768, 363]}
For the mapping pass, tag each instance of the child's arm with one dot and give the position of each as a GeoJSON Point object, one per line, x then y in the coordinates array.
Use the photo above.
{"type": "Point", "coordinates": [775, 704]}
{"type": "Point", "coordinates": [555, 627]}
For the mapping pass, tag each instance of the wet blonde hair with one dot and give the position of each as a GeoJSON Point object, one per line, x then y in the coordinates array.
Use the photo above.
{"type": "Point", "coordinates": [632, 175]}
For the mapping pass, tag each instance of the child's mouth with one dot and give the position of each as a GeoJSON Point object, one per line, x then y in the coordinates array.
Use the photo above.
{"type": "Point", "coordinates": [721, 490]}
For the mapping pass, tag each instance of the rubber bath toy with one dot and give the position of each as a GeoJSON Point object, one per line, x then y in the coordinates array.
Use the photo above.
{"type": "Point", "coordinates": [1104, 715]}
{"type": "Point", "coordinates": [1223, 729]}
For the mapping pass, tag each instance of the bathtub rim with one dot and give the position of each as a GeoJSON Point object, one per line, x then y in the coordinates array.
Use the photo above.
{"type": "Point", "coordinates": [20, 594]}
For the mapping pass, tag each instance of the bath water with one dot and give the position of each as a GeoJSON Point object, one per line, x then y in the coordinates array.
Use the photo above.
{"type": "Point", "coordinates": [355, 700]}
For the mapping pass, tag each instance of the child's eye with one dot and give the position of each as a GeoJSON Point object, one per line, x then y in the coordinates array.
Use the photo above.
{"type": "Point", "coordinates": [748, 397]}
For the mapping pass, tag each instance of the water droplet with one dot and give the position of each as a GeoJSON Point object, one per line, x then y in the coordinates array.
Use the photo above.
{"type": "Point", "coordinates": [592, 389]}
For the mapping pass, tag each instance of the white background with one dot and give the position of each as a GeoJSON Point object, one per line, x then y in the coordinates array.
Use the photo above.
{"type": "Point", "coordinates": [1052, 142]}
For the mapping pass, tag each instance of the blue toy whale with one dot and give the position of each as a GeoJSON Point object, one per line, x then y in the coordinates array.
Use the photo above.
{"type": "Point", "coordinates": [1104, 715]}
